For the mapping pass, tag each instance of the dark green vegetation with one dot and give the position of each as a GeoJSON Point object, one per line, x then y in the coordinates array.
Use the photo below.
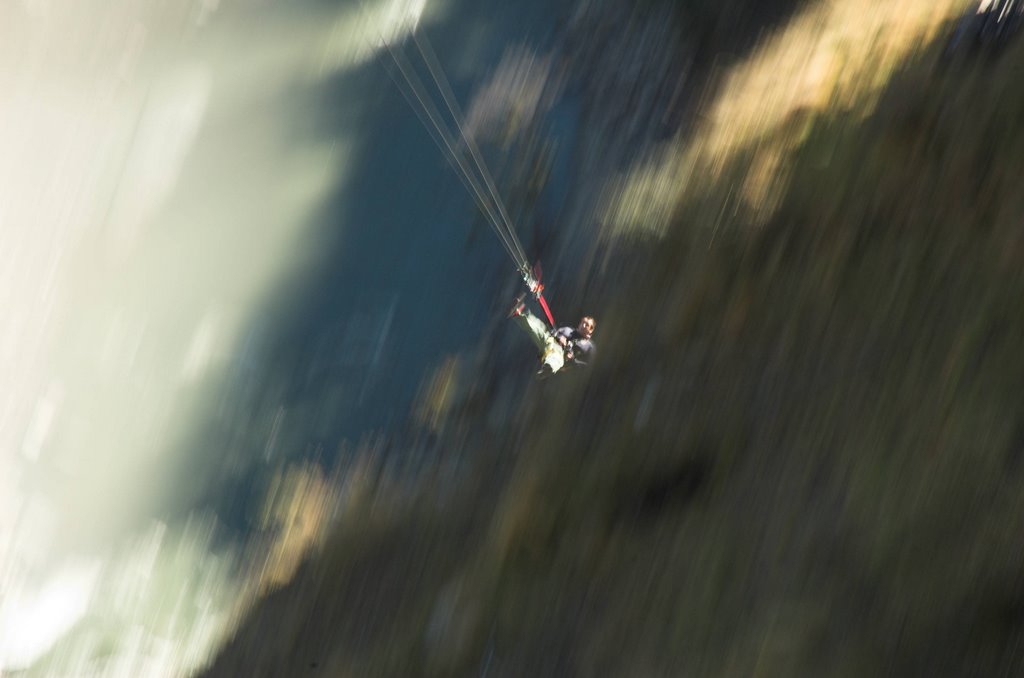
{"type": "Point", "coordinates": [799, 455]}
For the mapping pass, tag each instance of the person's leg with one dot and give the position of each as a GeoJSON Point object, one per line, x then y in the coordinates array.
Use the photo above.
{"type": "Point", "coordinates": [553, 356]}
{"type": "Point", "coordinates": [536, 328]}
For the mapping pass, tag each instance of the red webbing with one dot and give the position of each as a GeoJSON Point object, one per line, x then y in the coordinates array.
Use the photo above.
{"type": "Point", "coordinates": [544, 305]}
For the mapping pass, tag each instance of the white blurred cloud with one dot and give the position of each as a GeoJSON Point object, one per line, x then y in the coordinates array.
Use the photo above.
{"type": "Point", "coordinates": [153, 189]}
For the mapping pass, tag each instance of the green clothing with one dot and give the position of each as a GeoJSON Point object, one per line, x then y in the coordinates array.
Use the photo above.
{"type": "Point", "coordinates": [550, 350]}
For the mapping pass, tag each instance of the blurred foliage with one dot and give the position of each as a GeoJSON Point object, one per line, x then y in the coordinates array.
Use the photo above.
{"type": "Point", "coordinates": [799, 454]}
{"type": "Point", "coordinates": [435, 399]}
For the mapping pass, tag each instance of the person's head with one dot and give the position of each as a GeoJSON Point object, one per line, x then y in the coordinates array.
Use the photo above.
{"type": "Point", "coordinates": [586, 326]}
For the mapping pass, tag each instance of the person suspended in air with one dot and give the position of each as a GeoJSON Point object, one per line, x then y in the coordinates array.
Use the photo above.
{"type": "Point", "coordinates": [557, 348]}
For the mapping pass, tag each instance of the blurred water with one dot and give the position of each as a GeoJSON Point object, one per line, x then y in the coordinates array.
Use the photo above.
{"type": "Point", "coordinates": [225, 241]}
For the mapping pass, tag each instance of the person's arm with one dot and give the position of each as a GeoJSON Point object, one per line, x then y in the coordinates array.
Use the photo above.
{"type": "Point", "coordinates": [584, 352]}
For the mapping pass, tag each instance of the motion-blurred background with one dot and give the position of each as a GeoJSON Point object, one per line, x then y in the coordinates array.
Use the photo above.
{"type": "Point", "coordinates": [261, 412]}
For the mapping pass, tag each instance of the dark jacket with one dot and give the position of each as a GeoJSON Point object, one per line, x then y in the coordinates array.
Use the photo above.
{"type": "Point", "coordinates": [582, 349]}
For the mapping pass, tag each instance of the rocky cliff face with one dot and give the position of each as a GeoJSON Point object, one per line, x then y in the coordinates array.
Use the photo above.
{"type": "Point", "coordinates": [798, 452]}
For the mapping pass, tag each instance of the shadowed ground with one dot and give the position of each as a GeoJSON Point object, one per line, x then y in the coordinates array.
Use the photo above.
{"type": "Point", "coordinates": [799, 453]}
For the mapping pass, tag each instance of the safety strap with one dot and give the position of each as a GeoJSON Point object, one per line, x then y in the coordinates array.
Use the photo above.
{"type": "Point", "coordinates": [544, 305]}
{"type": "Point", "coordinates": [532, 279]}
